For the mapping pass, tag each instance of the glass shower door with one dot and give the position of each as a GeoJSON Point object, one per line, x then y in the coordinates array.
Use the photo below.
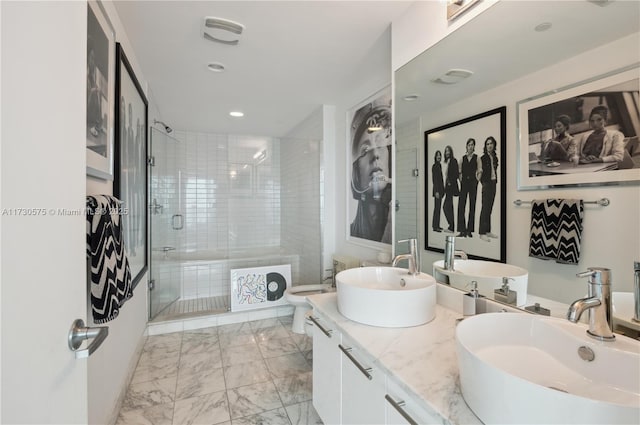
{"type": "Point", "coordinates": [166, 222]}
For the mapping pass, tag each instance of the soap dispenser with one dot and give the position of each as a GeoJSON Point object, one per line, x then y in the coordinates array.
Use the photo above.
{"type": "Point", "coordinates": [505, 294]}
{"type": "Point", "coordinates": [472, 302]}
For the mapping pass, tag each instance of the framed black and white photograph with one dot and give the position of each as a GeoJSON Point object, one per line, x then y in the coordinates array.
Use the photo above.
{"type": "Point", "coordinates": [369, 162]}
{"type": "Point", "coordinates": [582, 135]}
{"type": "Point", "coordinates": [465, 185]}
{"type": "Point", "coordinates": [130, 181]}
{"type": "Point", "coordinates": [100, 92]}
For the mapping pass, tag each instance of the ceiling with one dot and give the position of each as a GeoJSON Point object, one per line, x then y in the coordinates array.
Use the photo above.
{"type": "Point", "coordinates": [501, 45]}
{"type": "Point", "coordinates": [293, 56]}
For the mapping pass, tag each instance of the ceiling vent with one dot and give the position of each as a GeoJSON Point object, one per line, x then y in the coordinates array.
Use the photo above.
{"type": "Point", "coordinates": [222, 30]}
{"type": "Point", "coordinates": [453, 76]}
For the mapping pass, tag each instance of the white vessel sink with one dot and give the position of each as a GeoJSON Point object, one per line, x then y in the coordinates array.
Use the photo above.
{"type": "Point", "coordinates": [386, 296]}
{"type": "Point", "coordinates": [524, 368]}
{"type": "Point", "coordinates": [488, 274]}
{"type": "Point", "coordinates": [623, 305]}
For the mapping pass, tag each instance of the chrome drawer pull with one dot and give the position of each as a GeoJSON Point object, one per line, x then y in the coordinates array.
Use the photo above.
{"type": "Point", "coordinates": [365, 370]}
{"type": "Point", "coordinates": [327, 332]}
{"type": "Point", "coordinates": [398, 406]}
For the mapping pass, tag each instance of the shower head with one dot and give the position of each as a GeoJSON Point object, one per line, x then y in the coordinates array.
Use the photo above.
{"type": "Point", "coordinates": [166, 127]}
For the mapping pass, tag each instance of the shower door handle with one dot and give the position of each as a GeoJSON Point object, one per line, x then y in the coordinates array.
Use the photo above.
{"type": "Point", "coordinates": [177, 222]}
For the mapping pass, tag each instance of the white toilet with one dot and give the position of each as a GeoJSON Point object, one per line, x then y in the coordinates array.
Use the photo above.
{"type": "Point", "coordinates": [297, 296]}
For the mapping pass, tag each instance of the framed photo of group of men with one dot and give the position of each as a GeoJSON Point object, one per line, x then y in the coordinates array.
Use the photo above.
{"type": "Point", "coordinates": [465, 185]}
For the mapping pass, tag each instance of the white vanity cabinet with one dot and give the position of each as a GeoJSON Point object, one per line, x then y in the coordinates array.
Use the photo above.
{"type": "Point", "coordinates": [402, 409]}
{"type": "Point", "coordinates": [363, 385]}
{"type": "Point", "coordinates": [326, 370]}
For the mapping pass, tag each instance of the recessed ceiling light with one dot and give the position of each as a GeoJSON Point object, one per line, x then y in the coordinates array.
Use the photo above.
{"type": "Point", "coordinates": [215, 67]}
{"type": "Point", "coordinates": [543, 26]}
{"type": "Point", "coordinates": [236, 114]}
{"type": "Point", "coordinates": [411, 97]}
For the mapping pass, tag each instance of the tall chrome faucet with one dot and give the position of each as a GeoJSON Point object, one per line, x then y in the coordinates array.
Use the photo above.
{"type": "Point", "coordinates": [450, 252]}
{"type": "Point", "coordinates": [413, 257]}
{"type": "Point", "coordinates": [598, 303]}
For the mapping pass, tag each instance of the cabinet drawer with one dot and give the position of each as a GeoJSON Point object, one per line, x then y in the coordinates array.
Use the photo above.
{"type": "Point", "coordinates": [362, 385]}
{"type": "Point", "coordinates": [402, 409]}
{"type": "Point", "coordinates": [326, 371]}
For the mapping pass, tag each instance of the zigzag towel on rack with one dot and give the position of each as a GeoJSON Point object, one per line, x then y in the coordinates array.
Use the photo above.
{"type": "Point", "coordinates": [556, 230]}
{"type": "Point", "coordinates": [109, 265]}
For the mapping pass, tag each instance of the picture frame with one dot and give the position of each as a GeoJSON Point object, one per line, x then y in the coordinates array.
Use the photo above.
{"type": "Point", "coordinates": [613, 159]}
{"type": "Point", "coordinates": [100, 92]}
{"type": "Point", "coordinates": [456, 7]}
{"type": "Point", "coordinates": [130, 181]}
{"type": "Point", "coordinates": [259, 287]}
{"type": "Point", "coordinates": [463, 197]}
{"type": "Point", "coordinates": [369, 170]}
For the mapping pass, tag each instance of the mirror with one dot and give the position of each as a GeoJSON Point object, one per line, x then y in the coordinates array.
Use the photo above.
{"type": "Point", "coordinates": [518, 50]}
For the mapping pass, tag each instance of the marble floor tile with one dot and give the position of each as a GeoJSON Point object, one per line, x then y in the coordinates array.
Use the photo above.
{"type": "Point", "coordinates": [256, 325]}
{"type": "Point", "coordinates": [234, 328]}
{"type": "Point", "coordinates": [231, 339]}
{"type": "Point", "coordinates": [272, 417]}
{"type": "Point", "coordinates": [196, 363]}
{"type": "Point", "coordinates": [204, 382]}
{"type": "Point", "coordinates": [304, 342]}
{"type": "Point", "coordinates": [212, 330]}
{"type": "Point", "coordinates": [248, 353]}
{"type": "Point", "coordinates": [303, 414]}
{"type": "Point", "coordinates": [146, 394]}
{"type": "Point", "coordinates": [255, 372]}
{"type": "Point", "coordinates": [295, 389]}
{"type": "Point", "coordinates": [240, 375]}
{"type": "Point", "coordinates": [289, 364]}
{"type": "Point", "coordinates": [151, 370]}
{"type": "Point", "coordinates": [154, 353]}
{"type": "Point", "coordinates": [277, 347]}
{"type": "Point", "coordinates": [161, 414]}
{"type": "Point", "coordinates": [272, 332]}
{"type": "Point", "coordinates": [253, 399]}
{"type": "Point", "coordinates": [207, 409]}
{"type": "Point", "coordinates": [199, 345]}
{"type": "Point", "coordinates": [163, 340]}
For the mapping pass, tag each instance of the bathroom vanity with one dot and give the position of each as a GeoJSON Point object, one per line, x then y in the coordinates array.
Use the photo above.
{"type": "Point", "coordinates": [371, 375]}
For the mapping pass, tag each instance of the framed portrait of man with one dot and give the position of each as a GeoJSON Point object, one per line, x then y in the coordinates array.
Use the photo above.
{"type": "Point", "coordinates": [369, 169]}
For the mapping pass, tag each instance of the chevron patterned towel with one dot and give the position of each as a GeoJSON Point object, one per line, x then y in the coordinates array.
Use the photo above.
{"type": "Point", "coordinates": [556, 230]}
{"type": "Point", "coordinates": [110, 273]}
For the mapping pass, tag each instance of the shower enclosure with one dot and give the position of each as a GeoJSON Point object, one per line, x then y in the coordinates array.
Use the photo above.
{"type": "Point", "coordinates": [220, 202]}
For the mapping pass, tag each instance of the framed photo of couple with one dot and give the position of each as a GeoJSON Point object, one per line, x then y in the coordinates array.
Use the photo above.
{"type": "Point", "coordinates": [465, 185]}
{"type": "Point", "coordinates": [582, 135]}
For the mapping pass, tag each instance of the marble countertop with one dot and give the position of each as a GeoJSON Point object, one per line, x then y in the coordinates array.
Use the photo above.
{"type": "Point", "coordinates": [421, 360]}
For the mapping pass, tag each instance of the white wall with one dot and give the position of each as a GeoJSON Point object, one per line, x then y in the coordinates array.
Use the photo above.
{"type": "Point", "coordinates": [611, 234]}
{"type": "Point", "coordinates": [111, 367]}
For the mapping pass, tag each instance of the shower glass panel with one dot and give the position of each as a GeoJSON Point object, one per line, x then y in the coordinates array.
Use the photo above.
{"type": "Point", "coordinates": [167, 221]}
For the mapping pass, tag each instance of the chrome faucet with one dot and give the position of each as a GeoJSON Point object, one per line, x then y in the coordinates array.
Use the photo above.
{"type": "Point", "coordinates": [636, 291]}
{"type": "Point", "coordinates": [598, 303]}
{"type": "Point", "coordinates": [450, 252]}
{"type": "Point", "coordinates": [413, 257]}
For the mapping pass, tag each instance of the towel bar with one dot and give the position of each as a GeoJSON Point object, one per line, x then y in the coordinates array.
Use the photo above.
{"type": "Point", "coordinates": [603, 202]}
